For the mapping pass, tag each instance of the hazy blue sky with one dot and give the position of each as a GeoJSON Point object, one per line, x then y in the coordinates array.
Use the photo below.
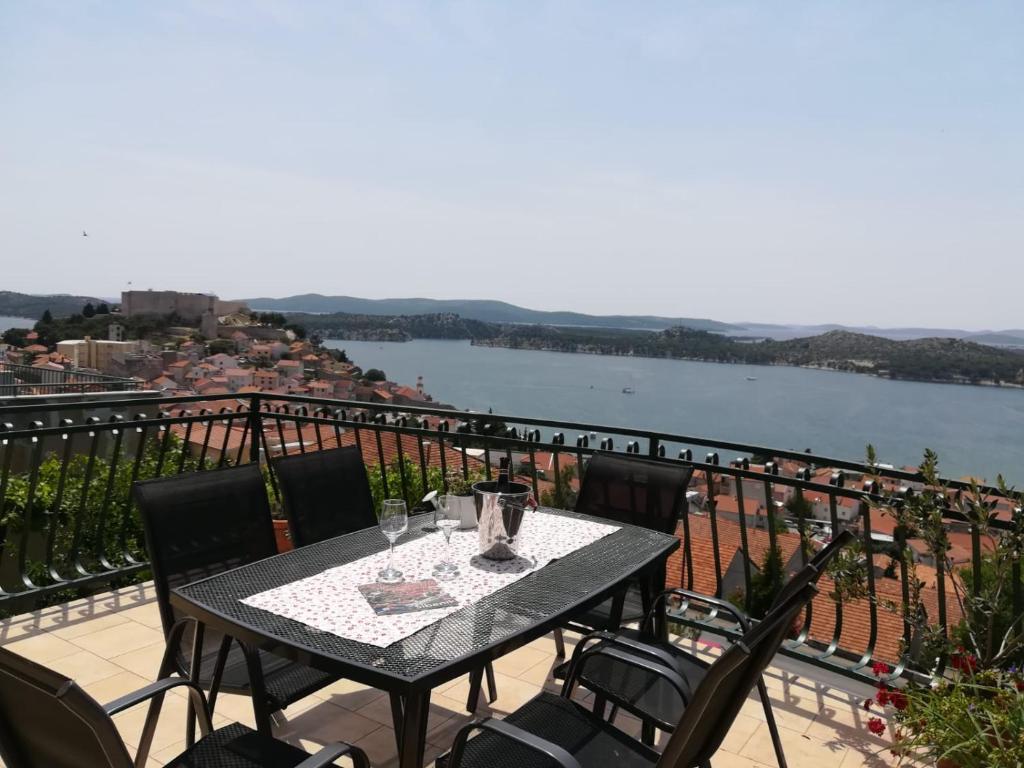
{"type": "Point", "coordinates": [857, 162]}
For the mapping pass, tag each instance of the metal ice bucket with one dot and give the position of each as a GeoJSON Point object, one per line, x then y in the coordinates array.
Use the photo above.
{"type": "Point", "coordinates": [500, 516]}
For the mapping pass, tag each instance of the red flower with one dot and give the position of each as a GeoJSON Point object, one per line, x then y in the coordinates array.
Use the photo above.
{"type": "Point", "coordinates": [963, 661]}
{"type": "Point", "coordinates": [880, 668]}
{"type": "Point", "coordinates": [898, 699]}
{"type": "Point", "coordinates": [1019, 684]}
{"type": "Point", "coordinates": [882, 697]}
{"type": "Point", "coordinates": [868, 703]}
{"type": "Point", "coordinates": [876, 726]}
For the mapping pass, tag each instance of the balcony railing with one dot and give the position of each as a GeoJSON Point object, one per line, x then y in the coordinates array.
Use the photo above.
{"type": "Point", "coordinates": [68, 524]}
{"type": "Point", "coordinates": [18, 380]}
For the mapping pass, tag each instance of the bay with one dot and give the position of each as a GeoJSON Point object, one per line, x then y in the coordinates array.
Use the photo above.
{"type": "Point", "coordinates": [15, 322]}
{"type": "Point", "coordinates": [975, 430]}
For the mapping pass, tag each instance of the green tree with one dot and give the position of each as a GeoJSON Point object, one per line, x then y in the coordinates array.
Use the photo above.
{"type": "Point", "coordinates": [16, 337]}
{"type": "Point", "coordinates": [298, 330]}
{"type": "Point", "coordinates": [47, 318]}
{"type": "Point", "coordinates": [88, 310]}
{"type": "Point", "coordinates": [103, 309]}
{"type": "Point", "coordinates": [563, 495]}
{"type": "Point", "coordinates": [766, 583]}
{"type": "Point", "coordinates": [218, 346]}
{"type": "Point", "coordinates": [375, 374]}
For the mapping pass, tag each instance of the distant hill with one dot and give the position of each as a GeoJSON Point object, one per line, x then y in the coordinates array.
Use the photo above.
{"type": "Point", "coordinates": [929, 359]}
{"type": "Point", "coordinates": [478, 309]}
{"type": "Point", "coordinates": [27, 305]}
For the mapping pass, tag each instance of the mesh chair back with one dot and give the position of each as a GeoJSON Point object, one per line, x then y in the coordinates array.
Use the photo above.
{"type": "Point", "coordinates": [636, 491]}
{"type": "Point", "coordinates": [203, 523]}
{"type": "Point", "coordinates": [47, 721]}
{"type": "Point", "coordinates": [720, 695]}
{"type": "Point", "coordinates": [325, 494]}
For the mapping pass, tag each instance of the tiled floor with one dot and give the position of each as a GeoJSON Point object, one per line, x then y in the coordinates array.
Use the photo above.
{"type": "Point", "coordinates": [112, 644]}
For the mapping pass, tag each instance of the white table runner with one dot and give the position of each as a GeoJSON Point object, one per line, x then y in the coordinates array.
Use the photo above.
{"type": "Point", "coordinates": [331, 602]}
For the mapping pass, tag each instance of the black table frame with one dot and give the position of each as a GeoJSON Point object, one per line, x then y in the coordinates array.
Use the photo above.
{"type": "Point", "coordinates": [610, 563]}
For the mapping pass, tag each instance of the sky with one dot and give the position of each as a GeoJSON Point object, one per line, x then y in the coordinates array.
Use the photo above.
{"type": "Point", "coordinates": [796, 162]}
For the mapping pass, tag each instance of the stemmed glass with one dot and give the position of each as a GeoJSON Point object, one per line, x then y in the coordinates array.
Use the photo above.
{"type": "Point", "coordinates": [394, 521]}
{"type": "Point", "coordinates": [447, 519]}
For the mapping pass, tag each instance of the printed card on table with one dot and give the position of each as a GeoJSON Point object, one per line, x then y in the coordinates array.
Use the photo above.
{"type": "Point", "coordinates": [406, 597]}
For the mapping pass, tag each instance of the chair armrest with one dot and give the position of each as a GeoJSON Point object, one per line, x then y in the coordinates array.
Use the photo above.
{"type": "Point", "coordinates": [715, 602]}
{"type": "Point", "coordinates": [328, 754]}
{"type": "Point", "coordinates": [149, 691]}
{"type": "Point", "coordinates": [673, 678]}
{"type": "Point", "coordinates": [512, 733]}
{"type": "Point", "coordinates": [604, 636]}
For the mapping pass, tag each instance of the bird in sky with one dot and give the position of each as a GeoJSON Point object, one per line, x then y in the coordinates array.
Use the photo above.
{"type": "Point", "coordinates": [84, 233]}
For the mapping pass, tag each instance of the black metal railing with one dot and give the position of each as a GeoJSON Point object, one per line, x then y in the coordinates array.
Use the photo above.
{"type": "Point", "coordinates": [67, 521]}
{"type": "Point", "coordinates": [17, 380]}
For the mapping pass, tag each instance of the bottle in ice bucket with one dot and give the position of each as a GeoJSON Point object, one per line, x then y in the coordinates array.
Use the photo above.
{"type": "Point", "coordinates": [500, 506]}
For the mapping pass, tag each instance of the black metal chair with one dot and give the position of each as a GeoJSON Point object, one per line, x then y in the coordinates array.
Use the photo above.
{"type": "Point", "coordinates": [324, 493]}
{"type": "Point", "coordinates": [47, 721]}
{"type": "Point", "coordinates": [628, 489]}
{"type": "Point", "coordinates": [555, 730]}
{"type": "Point", "coordinates": [204, 523]}
{"type": "Point", "coordinates": [660, 706]}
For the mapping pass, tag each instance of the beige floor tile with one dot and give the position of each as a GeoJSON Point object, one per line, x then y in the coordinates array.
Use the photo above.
{"type": "Point", "coordinates": [349, 694]}
{"type": "Point", "coordinates": [740, 732]}
{"type": "Point", "coordinates": [323, 723]}
{"type": "Point", "coordinates": [43, 647]}
{"type": "Point", "coordinates": [170, 727]}
{"type": "Point", "coordinates": [379, 710]}
{"type": "Point", "coordinates": [107, 689]}
{"type": "Point", "coordinates": [729, 760]}
{"type": "Point", "coordinates": [539, 674]}
{"type": "Point", "coordinates": [148, 614]}
{"type": "Point", "coordinates": [380, 748]}
{"type": "Point", "coordinates": [800, 749]}
{"type": "Point", "coordinates": [512, 693]}
{"type": "Point", "coordinates": [145, 661]}
{"type": "Point", "coordinates": [444, 734]}
{"type": "Point", "coordinates": [11, 630]}
{"type": "Point", "coordinates": [75, 626]}
{"type": "Point", "coordinates": [84, 667]}
{"type": "Point", "coordinates": [521, 660]}
{"type": "Point", "coordinates": [116, 641]}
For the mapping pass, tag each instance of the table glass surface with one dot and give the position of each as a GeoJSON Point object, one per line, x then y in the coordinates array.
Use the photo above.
{"type": "Point", "coordinates": [546, 595]}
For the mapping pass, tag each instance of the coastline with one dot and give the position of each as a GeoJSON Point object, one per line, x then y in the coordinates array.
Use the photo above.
{"type": "Point", "coordinates": [694, 359]}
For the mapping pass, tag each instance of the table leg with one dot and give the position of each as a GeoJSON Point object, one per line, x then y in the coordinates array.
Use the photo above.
{"type": "Point", "coordinates": [414, 730]}
{"type": "Point", "coordinates": [397, 717]}
{"type": "Point", "coordinates": [257, 689]}
{"type": "Point", "coordinates": [194, 672]}
{"type": "Point", "coordinates": [656, 585]}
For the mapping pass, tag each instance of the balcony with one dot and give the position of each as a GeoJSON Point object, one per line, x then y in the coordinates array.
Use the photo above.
{"type": "Point", "coordinates": [73, 557]}
{"type": "Point", "coordinates": [111, 643]}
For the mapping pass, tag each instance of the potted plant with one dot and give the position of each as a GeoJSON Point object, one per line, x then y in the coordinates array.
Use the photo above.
{"type": "Point", "coordinates": [965, 709]}
{"type": "Point", "coordinates": [282, 533]}
{"type": "Point", "coordinates": [972, 718]}
{"type": "Point", "coordinates": [460, 493]}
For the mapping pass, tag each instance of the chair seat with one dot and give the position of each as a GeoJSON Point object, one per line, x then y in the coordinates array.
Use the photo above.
{"type": "Point", "coordinates": [215, 751]}
{"type": "Point", "coordinates": [644, 694]}
{"type": "Point", "coordinates": [286, 681]}
{"type": "Point", "coordinates": [592, 741]}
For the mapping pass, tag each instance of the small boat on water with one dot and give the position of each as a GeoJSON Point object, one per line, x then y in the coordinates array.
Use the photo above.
{"type": "Point", "coordinates": [628, 391]}
{"type": "Point", "coordinates": [751, 378]}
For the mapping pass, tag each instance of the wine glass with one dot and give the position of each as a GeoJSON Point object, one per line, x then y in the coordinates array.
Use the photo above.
{"type": "Point", "coordinates": [447, 519]}
{"type": "Point", "coordinates": [394, 521]}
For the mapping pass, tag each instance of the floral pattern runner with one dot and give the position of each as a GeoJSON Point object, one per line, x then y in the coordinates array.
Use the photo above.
{"type": "Point", "coordinates": [331, 601]}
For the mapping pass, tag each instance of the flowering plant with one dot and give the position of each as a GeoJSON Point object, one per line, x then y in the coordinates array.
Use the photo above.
{"type": "Point", "coordinates": [972, 719]}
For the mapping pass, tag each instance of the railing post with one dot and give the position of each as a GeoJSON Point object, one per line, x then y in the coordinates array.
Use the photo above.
{"type": "Point", "coordinates": [255, 429]}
